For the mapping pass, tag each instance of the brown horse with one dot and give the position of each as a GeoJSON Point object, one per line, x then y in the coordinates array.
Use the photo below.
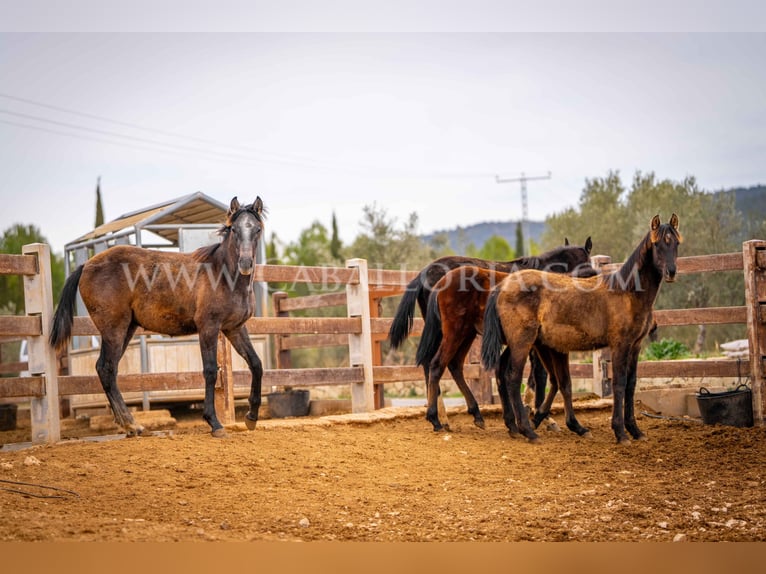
{"type": "Point", "coordinates": [557, 314]}
{"type": "Point", "coordinates": [418, 290]}
{"type": "Point", "coordinates": [206, 292]}
{"type": "Point", "coordinates": [454, 318]}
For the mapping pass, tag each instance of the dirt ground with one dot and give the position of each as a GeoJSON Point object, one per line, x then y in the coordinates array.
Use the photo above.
{"type": "Point", "coordinates": [346, 478]}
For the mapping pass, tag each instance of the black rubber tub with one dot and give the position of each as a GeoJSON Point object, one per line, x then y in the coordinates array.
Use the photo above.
{"type": "Point", "coordinates": [733, 408]}
{"type": "Point", "coordinates": [292, 403]}
{"type": "Point", "coordinates": [8, 417]}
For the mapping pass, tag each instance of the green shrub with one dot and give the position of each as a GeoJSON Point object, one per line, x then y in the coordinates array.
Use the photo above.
{"type": "Point", "coordinates": [666, 350]}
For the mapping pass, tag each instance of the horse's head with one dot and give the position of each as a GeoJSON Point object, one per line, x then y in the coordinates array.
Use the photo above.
{"type": "Point", "coordinates": [571, 259]}
{"type": "Point", "coordinates": [245, 224]}
{"type": "Point", "coordinates": [665, 238]}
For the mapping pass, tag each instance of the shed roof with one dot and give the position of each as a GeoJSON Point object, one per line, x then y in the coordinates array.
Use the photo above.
{"type": "Point", "coordinates": [196, 208]}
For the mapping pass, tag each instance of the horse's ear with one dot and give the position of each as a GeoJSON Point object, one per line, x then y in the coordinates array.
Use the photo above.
{"type": "Point", "coordinates": [233, 207]}
{"type": "Point", "coordinates": [588, 245]}
{"type": "Point", "coordinates": [674, 221]}
{"type": "Point", "coordinates": [656, 223]}
{"type": "Point", "coordinates": [566, 241]}
{"type": "Point", "coordinates": [258, 206]}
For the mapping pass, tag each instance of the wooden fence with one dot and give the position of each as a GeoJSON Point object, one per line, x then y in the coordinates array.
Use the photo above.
{"type": "Point", "coordinates": [363, 328]}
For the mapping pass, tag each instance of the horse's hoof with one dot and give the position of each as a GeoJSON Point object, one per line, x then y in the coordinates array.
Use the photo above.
{"type": "Point", "coordinates": [624, 441]}
{"type": "Point", "coordinates": [535, 440]}
{"type": "Point", "coordinates": [250, 422]}
{"type": "Point", "coordinates": [134, 431]}
{"type": "Point", "coordinates": [446, 428]}
{"type": "Point", "coordinates": [219, 433]}
{"type": "Point", "coordinates": [553, 427]}
{"type": "Point", "coordinates": [479, 424]}
{"type": "Point", "coordinates": [641, 437]}
{"type": "Point", "coordinates": [587, 434]}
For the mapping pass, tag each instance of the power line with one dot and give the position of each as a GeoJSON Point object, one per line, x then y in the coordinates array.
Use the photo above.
{"type": "Point", "coordinates": [252, 155]}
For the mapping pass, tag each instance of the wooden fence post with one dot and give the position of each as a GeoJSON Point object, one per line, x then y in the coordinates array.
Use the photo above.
{"type": "Point", "coordinates": [754, 266]}
{"type": "Point", "coordinates": [38, 301]}
{"type": "Point", "coordinates": [282, 356]}
{"type": "Point", "coordinates": [602, 358]}
{"type": "Point", "coordinates": [224, 387]}
{"type": "Point", "coordinates": [360, 344]}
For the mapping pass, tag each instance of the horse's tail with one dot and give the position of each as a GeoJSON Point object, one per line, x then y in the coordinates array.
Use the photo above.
{"type": "Point", "coordinates": [405, 314]}
{"type": "Point", "coordinates": [493, 338]}
{"type": "Point", "coordinates": [431, 337]}
{"type": "Point", "coordinates": [61, 330]}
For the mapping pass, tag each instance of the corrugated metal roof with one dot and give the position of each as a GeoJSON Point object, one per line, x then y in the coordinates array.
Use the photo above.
{"type": "Point", "coordinates": [196, 208]}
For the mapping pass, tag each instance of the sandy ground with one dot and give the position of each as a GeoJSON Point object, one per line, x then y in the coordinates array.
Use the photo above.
{"type": "Point", "coordinates": [391, 478]}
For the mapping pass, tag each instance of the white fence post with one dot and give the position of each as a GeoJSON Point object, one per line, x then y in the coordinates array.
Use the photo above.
{"type": "Point", "coordinates": [754, 266]}
{"type": "Point", "coordinates": [38, 300]}
{"type": "Point", "coordinates": [360, 345]}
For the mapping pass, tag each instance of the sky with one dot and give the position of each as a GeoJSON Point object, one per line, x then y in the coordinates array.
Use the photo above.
{"type": "Point", "coordinates": [327, 118]}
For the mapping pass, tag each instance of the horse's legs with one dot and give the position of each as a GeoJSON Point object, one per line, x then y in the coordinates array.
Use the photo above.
{"type": "Point", "coordinates": [538, 378]}
{"type": "Point", "coordinates": [456, 370]}
{"type": "Point", "coordinates": [208, 343]}
{"type": "Point", "coordinates": [518, 358]}
{"type": "Point", "coordinates": [544, 410]}
{"type": "Point", "coordinates": [502, 390]}
{"type": "Point", "coordinates": [620, 373]}
{"type": "Point", "coordinates": [112, 348]}
{"type": "Point", "coordinates": [560, 365]}
{"type": "Point", "coordinates": [240, 340]}
{"type": "Point", "coordinates": [434, 373]}
{"type": "Point", "coordinates": [630, 389]}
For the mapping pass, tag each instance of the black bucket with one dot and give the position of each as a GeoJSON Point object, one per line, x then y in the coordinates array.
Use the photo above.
{"type": "Point", "coordinates": [733, 408]}
{"type": "Point", "coordinates": [8, 417]}
{"type": "Point", "coordinates": [292, 403]}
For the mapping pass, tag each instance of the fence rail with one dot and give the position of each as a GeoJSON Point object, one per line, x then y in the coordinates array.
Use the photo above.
{"type": "Point", "coordinates": [361, 331]}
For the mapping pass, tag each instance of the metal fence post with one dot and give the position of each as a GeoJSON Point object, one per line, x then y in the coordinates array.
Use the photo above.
{"type": "Point", "coordinates": [754, 266]}
{"type": "Point", "coordinates": [360, 344]}
{"type": "Point", "coordinates": [38, 301]}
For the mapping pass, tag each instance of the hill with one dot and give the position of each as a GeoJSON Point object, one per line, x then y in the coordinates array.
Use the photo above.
{"type": "Point", "coordinates": [478, 234]}
{"type": "Point", "coordinates": [750, 201]}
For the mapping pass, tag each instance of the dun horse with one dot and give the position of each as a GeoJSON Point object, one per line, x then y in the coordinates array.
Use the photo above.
{"type": "Point", "coordinates": [564, 258]}
{"type": "Point", "coordinates": [455, 316]}
{"type": "Point", "coordinates": [206, 292]}
{"type": "Point", "coordinates": [557, 314]}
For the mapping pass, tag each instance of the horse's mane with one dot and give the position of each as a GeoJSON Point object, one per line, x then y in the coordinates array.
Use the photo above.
{"type": "Point", "coordinates": [205, 253]}
{"type": "Point", "coordinates": [541, 261]}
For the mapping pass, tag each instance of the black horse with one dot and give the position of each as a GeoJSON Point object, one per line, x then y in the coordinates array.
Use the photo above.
{"type": "Point", "coordinates": [206, 292]}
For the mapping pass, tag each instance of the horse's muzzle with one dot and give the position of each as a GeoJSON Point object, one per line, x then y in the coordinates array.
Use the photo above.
{"type": "Point", "coordinates": [670, 275]}
{"type": "Point", "coordinates": [245, 265]}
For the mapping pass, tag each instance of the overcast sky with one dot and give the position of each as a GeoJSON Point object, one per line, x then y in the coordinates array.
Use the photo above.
{"type": "Point", "coordinates": [317, 123]}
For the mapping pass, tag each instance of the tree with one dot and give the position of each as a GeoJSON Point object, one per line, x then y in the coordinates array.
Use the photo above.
{"type": "Point", "coordinates": [312, 248]}
{"type": "Point", "coordinates": [496, 248]}
{"type": "Point", "coordinates": [335, 243]}
{"type": "Point", "coordinates": [386, 246]}
{"type": "Point", "coordinates": [520, 240]}
{"type": "Point", "coordinates": [617, 219]}
{"type": "Point", "coordinates": [600, 215]}
{"type": "Point", "coordinates": [12, 286]}
{"type": "Point", "coordinates": [99, 206]}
